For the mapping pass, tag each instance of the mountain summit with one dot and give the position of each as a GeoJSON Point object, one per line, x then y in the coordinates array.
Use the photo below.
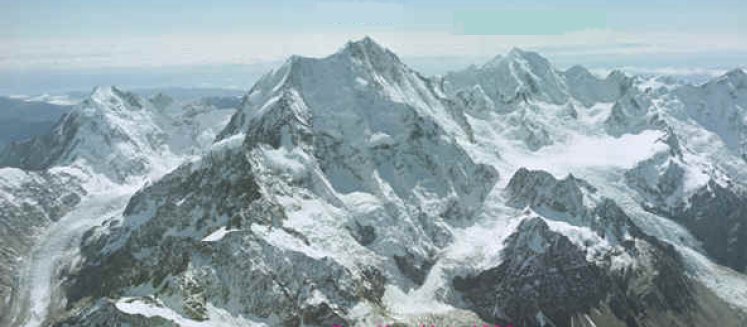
{"type": "Point", "coordinates": [114, 133]}
{"type": "Point", "coordinates": [111, 131]}
{"type": "Point", "coordinates": [518, 76]}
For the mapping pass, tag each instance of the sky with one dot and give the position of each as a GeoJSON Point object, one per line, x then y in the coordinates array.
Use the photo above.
{"type": "Point", "coordinates": [58, 43]}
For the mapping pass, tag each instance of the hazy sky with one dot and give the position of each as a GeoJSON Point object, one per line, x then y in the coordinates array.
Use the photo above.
{"type": "Point", "coordinates": [75, 35]}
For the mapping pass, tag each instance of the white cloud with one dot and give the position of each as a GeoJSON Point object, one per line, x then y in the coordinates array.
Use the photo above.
{"type": "Point", "coordinates": [174, 50]}
{"type": "Point", "coordinates": [666, 71]}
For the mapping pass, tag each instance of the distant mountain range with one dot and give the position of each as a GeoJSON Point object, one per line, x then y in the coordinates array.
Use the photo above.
{"type": "Point", "coordinates": [21, 119]}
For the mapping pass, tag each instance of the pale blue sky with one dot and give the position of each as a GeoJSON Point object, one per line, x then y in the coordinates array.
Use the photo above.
{"type": "Point", "coordinates": [78, 18]}
{"type": "Point", "coordinates": [76, 35]}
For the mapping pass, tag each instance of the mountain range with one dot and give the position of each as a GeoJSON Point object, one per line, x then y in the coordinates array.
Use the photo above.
{"type": "Point", "coordinates": [353, 190]}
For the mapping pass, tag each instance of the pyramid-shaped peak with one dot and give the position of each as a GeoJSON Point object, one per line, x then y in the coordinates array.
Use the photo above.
{"type": "Point", "coordinates": [519, 56]}
{"type": "Point", "coordinates": [578, 71]}
{"type": "Point", "coordinates": [111, 94]}
{"type": "Point", "coordinates": [736, 74]}
{"type": "Point", "coordinates": [494, 62]}
{"type": "Point", "coordinates": [161, 100]}
{"type": "Point", "coordinates": [736, 77]}
{"type": "Point", "coordinates": [161, 96]}
{"type": "Point", "coordinates": [366, 43]}
{"type": "Point", "coordinates": [617, 74]}
{"type": "Point", "coordinates": [530, 56]}
{"type": "Point", "coordinates": [107, 91]}
{"type": "Point", "coordinates": [366, 49]}
{"type": "Point", "coordinates": [364, 52]}
{"type": "Point", "coordinates": [516, 51]}
{"type": "Point", "coordinates": [103, 91]}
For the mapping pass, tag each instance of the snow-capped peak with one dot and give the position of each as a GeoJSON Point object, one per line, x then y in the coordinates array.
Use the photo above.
{"type": "Point", "coordinates": [518, 59]}
{"type": "Point", "coordinates": [493, 62]}
{"type": "Point", "coordinates": [617, 74]}
{"type": "Point", "coordinates": [362, 57]}
{"type": "Point", "coordinates": [532, 57]}
{"type": "Point", "coordinates": [112, 133]}
{"type": "Point", "coordinates": [110, 97]}
{"type": "Point", "coordinates": [737, 77]}
{"type": "Point", "coordinates": [351, 80]}
{"type": "Point", "coordinates": [161, 101]}
{"type": "Point", "coordinates": [519, 76]}
{"type": "Point", "coordinates": [369, 54]}
{"type": "Point", "coordinates": [103, 91]}
{"type": "Point", "coordinates": [578, 71]}
{"type": "Point", "coordinates": [366, 45]}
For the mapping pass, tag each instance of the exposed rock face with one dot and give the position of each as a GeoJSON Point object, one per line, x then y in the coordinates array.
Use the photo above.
{"type": "Point", "coordinates": [571, 200]}
{"type": "Point", "coordinates": [588, 89]}
{"type": "Point", "coordinates": [105, 313]}
{"type": "Point", "coordinates": [714, 211]}
{"type": "Point", "coordinates": [720, 106]}
{"type": "Point", "coordinates": [475, 100]}
{"type": "Point", "coordinates": [716, 215]}
{"type": "Point", "coordinates": [160, 244]}
{"type": "Point", "coordinates": [542, 272]}
{"type": "Point", "coordinates": [416, 269]}
{"type": "Point", "coordinates": [660, 179]}
{"type": "Point", "coordinates": [161, 101]}
{"type": "Point", "coordinates": [630, 114]}
{"type": "Point", "coordinates": [546, 278]}
{"type": "Point", "coordinates": [538, 189]}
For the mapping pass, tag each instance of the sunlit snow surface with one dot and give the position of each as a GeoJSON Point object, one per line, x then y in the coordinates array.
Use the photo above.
{"type": "Point", "coordinates": [218, 234]}
{"type": "Point", "coordinates": [588, 153]}
{"type": "Point", "coordinates": [154, 308]}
